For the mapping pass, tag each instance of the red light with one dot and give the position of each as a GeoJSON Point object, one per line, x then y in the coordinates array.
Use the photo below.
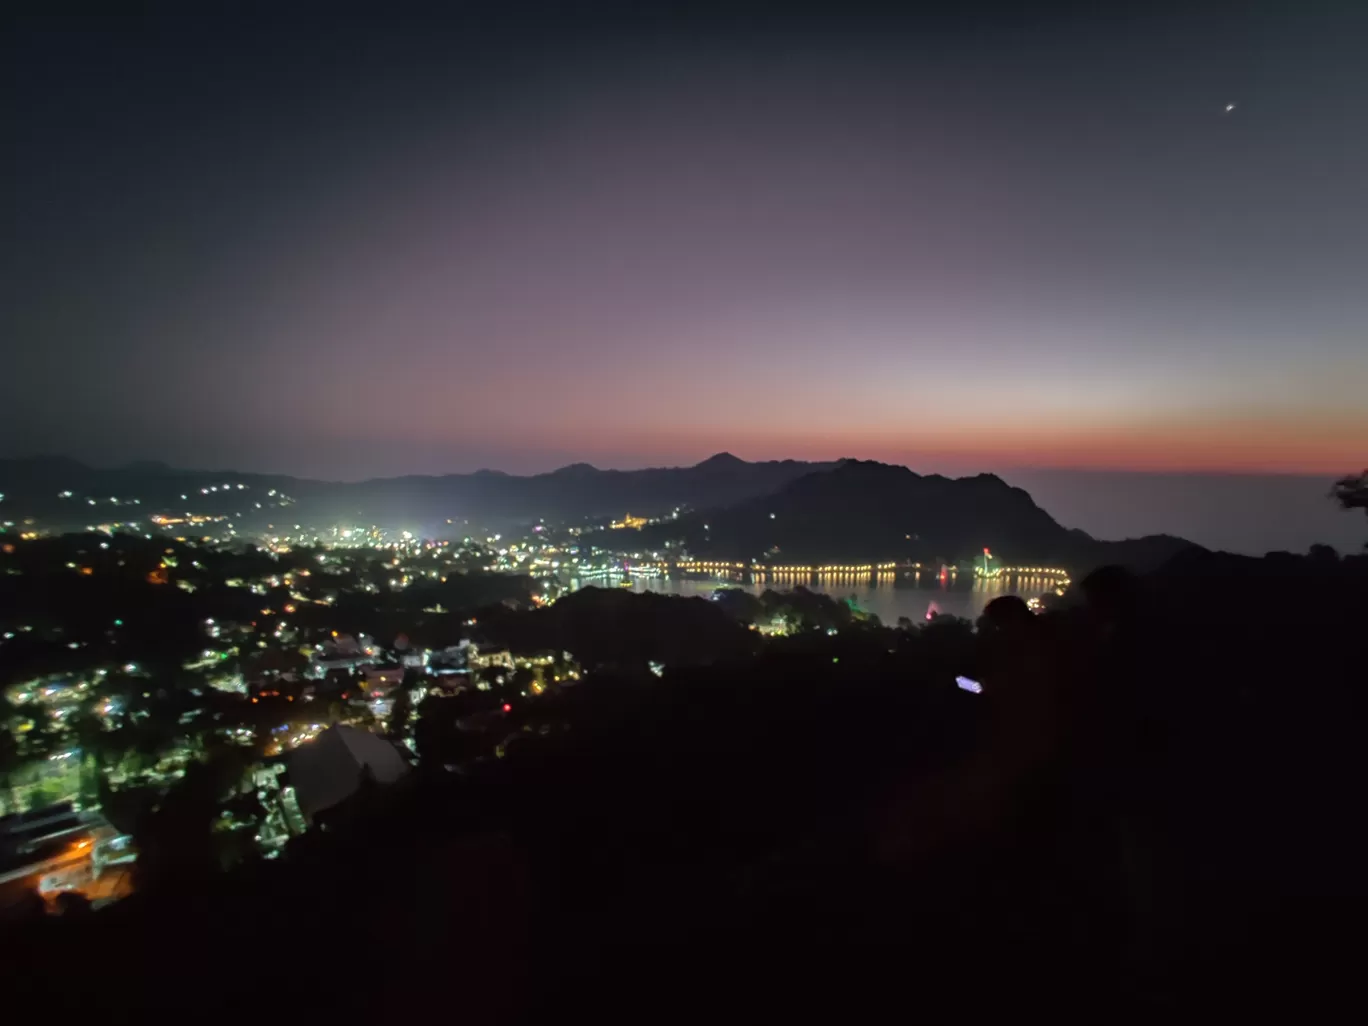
{"type": "Point", "coordinates": [507, 707]}
{"type": "Point", "coordinates": [987, 553]}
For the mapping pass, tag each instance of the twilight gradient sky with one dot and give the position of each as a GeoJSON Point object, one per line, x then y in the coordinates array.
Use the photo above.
{"type": "Point", "coordinates": [352, 246]}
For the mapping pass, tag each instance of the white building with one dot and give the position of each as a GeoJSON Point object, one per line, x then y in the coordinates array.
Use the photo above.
{"type": "Point", "coordinates": [330, 769]}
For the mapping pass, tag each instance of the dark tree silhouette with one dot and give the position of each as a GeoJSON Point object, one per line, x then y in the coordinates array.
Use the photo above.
{"type": "Point", "coordinates": [73, 903]}
{"type": "Point", "coordinates": [12, 763]}
{"type": "Point", "coordinates": [1352, 492]}
{"type": "Point", "coordinates": [1323, 553]}
{"type": "Point", "coordinates": [739, 604]}
{"type": "Point", "coordinates": [1007, 614]}
{"type": "Point", "coordinates": [401, 712]}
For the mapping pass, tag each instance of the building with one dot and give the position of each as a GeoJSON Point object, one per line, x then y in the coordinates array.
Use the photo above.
{"type": "Point", "coordinates": [378, 680]}
{"type": "Point", "coordinates": [331, 768]}
{"type": "Point", "coordinates": [484, 659]}
{"type": "Point", "coordinates": [23, 832]}
{"type": "Point", "coordinates": [60, 849]}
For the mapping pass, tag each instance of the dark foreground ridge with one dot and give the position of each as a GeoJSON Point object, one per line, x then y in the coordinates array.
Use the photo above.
{"type": "Point", "coordinates": [1150, 809]}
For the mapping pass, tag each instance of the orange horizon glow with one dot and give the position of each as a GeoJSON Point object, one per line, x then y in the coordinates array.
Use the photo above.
{"type": "Point", "coordinates": [1235, 446]}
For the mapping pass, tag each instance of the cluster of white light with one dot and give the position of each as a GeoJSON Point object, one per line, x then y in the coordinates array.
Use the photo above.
{"type": "Point", "coordinates": [1037, 571]}
{"type": "Point", "coordinates": [825, 568]}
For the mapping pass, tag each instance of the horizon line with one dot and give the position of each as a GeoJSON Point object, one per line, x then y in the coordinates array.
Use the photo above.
{"type": "Point", "coordinates": [1090, 468]}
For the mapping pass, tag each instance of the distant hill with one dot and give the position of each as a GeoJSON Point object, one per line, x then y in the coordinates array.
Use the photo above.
{"type": "Point", "coordinates": [864, 512]}
{"type": "Point", "coordinates": [38, 487]}
{"type": "Point", "coordinates": [848, 511]}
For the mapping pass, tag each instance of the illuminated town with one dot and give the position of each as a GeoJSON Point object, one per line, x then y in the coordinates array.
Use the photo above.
{"type": "Point", "coordinates": [525, 512]}
{"type": "Point", "coordinates": [300, 632]}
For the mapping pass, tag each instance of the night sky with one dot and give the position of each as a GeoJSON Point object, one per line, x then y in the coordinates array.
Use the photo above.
{"type": "Point", "coordinates": [353, 246]}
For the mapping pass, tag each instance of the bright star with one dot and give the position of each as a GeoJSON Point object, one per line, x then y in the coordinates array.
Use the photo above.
{"type": "Point", "coordinates": [1229, 107]}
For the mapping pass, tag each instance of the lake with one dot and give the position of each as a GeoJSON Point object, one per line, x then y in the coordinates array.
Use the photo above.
{"type": "Point", "coordinates": [887, 596]}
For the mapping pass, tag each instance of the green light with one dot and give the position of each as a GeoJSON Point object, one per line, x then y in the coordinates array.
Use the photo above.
{"type": "Point", "coordinates": [835, 659]}
{"type": "Point", "coordinates": [118, 623]}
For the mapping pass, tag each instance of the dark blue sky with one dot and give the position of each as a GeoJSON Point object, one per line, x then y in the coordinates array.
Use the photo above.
{"type": "Point", "coordinates": [1023, 237]}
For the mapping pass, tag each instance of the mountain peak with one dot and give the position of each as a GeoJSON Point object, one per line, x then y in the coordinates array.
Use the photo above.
{"type": "Point", "coordinates": [722, 459]}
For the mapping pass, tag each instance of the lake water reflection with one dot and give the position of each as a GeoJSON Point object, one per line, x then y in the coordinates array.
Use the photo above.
{"type": "Point", "coordinates": [887, 596]}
